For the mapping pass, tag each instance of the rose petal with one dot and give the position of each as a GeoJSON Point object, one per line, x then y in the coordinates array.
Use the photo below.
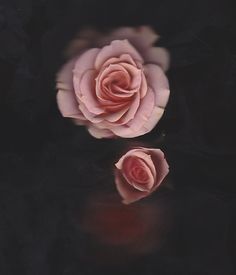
{"type": "Point", "coordinates": [88, 115]}
{"type": "Point", "coordinates": [124, 58]}
{"type": "Point", "coordinates": [113, 117]}
{"type": "Point", "coordinates": [135, 75]}
{"type": "Point", "coordinates": [143, 87]}
{"type": "Point", "coordinates": [85, 62]}
{"type": "Point", "coordinates": [116, 49]}
{"type": "Point", "coordinates": [100, 133]}
{"type": "Point", "coordinates": [85, 90]}
{"type": "Point", "coordinates": [127, 192]}
{"type": "Point", "coordinates": [161, 165]}
{"type": "Point", "coordinates": [141, 37]}
{"type": "Point", "coordinates": [159, 83]}
{"type": "Point", "coordinates": [68, 105]}
{"type": "Point", "coordinates": [127, 132]}
{"type": "Point", "coordinates": [142, 153]}
{"type": "Point", "coordinates": [80, 122]}
{"type": "Point", "coordinates": [156, 115]}
{"type": "Point", "coordinates": [148, 34]}
{"type": "Point", "coordinates": [65, 76]}
{"type": "Point", "coordinates": [106, 76]}
{"type": "Point", "coordinates": [144, 122]}
{"type": "Point", "coordinates": [112, 107]}
{"type": "Point", "coordinates": [157, 55]}
{"type": "Point", "coordinates": [144, 111]}
{"type": "Point", "coordinates": [121, 117]}
{"type": "Point", "coordinates": [112, 95]}
{"type": "Point", "coordinates": [147, 186]}
{"type": "Point", "coordinates": [132, 110]}
{"type": "Point", "coordinates": [132, 129]}
{"type": "Point", "coordinates": [76, 46]}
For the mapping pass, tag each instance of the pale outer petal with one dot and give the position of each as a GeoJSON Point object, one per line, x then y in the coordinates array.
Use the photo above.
{"type": "Point", "coordinates": [116, 49]}
{"type": "Point", "coordinates": [157, 55]}
{"type": "Point", "coordinates": [79, 121]}
{"type": "Point", "coordinates": [66, 99]}
{"type": "Point", "coordinates": [68, 105]}
{"type": "Point", "coordinates": [156, 115]}
{"type": "Point", "coordinates": [88, 115]}
{"type": "Point", "coordinates": [100, 133]}
{"type": "Point", "coordinates": [85, 62]}
{"type": "Point", "coordinates": [76, 46]}
{"type": "Point", "coordinates": [159, 83]}
{"type": "Point", "coordinates": [141, 37]}
{"type": "Point", "coordinates": [65, 76]}
{"type": "Point", "coordinates": [148, 34]}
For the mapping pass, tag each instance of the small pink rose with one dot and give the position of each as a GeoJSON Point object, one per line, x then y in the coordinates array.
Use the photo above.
{"type": "Point", "coordinates": [139, 172]}
{"type": "Point", "coordinates": [118, 88]}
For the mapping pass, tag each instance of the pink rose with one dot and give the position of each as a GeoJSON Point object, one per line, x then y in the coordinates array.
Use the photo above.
{"type": "Point", "coordinates": [139, 172]}
{"type": "Point", "coordinates": [118, 88]}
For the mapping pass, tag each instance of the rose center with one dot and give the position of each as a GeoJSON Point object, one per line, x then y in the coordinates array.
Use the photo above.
{"type": "Point", "coordinates": [116, 82]}
{"type": "Point", "coordinates": [139, 174]}
{"type": "Point", "coordinates": [135, 170]}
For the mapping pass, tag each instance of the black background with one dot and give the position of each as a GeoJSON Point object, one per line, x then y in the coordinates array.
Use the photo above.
{"type": "Point", "coordinates": [50, 169]}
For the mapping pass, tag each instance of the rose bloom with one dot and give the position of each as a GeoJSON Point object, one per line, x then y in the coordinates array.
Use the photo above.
{"type": "Point", "coordinates": [118, 88]}
{"type": "Point", "coordinates": [139, 172]}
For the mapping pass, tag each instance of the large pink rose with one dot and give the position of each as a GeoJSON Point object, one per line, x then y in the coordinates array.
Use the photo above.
{"type": "Point", "coordinates": [118, 88]}
{"type": "Point", "coordinates": [139, 172]}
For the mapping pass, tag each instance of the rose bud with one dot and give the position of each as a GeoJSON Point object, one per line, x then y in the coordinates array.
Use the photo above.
{"type": "Point", "coordinates": [139, 173]}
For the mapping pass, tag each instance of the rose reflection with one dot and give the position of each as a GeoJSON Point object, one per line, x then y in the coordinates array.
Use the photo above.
{"type": "Point", "coordinates": [116, 231]}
